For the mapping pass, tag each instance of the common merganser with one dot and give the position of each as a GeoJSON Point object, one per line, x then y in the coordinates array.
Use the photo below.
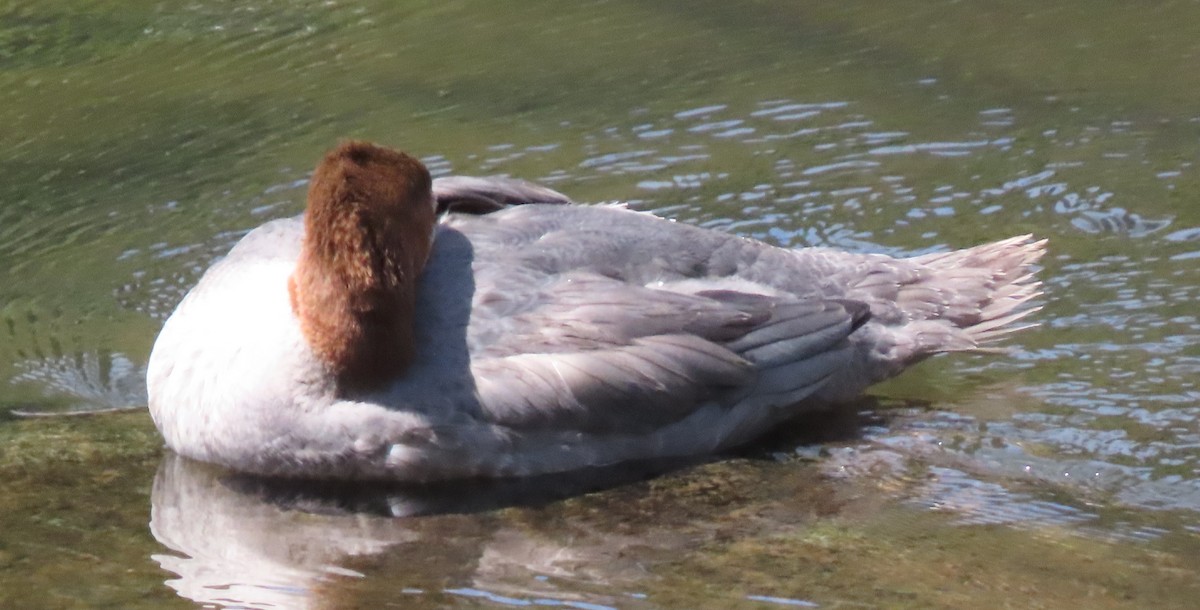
{"type": "Point", "coordinates": [367, 340]}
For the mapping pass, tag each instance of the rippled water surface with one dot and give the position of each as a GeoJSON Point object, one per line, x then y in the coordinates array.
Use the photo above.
{"type": "Point", "coordinates": [143, 139]}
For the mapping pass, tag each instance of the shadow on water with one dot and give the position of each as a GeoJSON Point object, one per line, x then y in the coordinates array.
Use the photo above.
{"type": "Point", "coordinates": [457, 497]}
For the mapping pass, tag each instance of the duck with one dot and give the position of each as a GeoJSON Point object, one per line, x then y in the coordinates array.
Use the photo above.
{"type": "Point", "coordinates": [384, 335]}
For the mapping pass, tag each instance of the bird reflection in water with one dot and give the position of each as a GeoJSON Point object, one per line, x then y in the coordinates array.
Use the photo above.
{"type": "Point", "coordinates": [251, 542]}
{"type": "Point", "coordinates": [240, 541]}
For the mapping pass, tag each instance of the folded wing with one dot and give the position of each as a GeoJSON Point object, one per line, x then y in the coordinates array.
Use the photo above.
{"type": "Point", "coordinates": [596, 354]}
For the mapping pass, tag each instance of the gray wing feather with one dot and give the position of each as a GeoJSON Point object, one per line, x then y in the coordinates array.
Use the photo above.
{"type": "Point", "coordinates": [632, 388]}
{"type": "Point", "coordinates": [483, 195]}
{"type": "Point", "coordinates": [584, 310]}
{"type": "Point", "coordinates": [627, 358]}
{"type": "Point", "coordinates": [795, 328]}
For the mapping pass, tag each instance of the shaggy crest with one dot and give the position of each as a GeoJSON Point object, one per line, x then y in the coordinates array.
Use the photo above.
{"type": "Point", "coordinates": [368, 232]}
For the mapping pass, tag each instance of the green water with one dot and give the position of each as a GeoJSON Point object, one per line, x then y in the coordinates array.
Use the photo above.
{"type": "Point", "coordinates": [142, 139]}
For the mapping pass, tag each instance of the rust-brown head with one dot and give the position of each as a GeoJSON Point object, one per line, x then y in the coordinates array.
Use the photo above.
{"type": "Point", "coordinates": [367, 234]}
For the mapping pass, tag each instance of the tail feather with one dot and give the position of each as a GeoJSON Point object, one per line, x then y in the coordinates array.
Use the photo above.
{"type": "Point", "coordinates": [975, 296]}
{"type": "Point", "coordinates": [959, 301]}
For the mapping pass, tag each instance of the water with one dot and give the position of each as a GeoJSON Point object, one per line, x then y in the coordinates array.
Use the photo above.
{"type": "Point", "coordinates": [142, 140]}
